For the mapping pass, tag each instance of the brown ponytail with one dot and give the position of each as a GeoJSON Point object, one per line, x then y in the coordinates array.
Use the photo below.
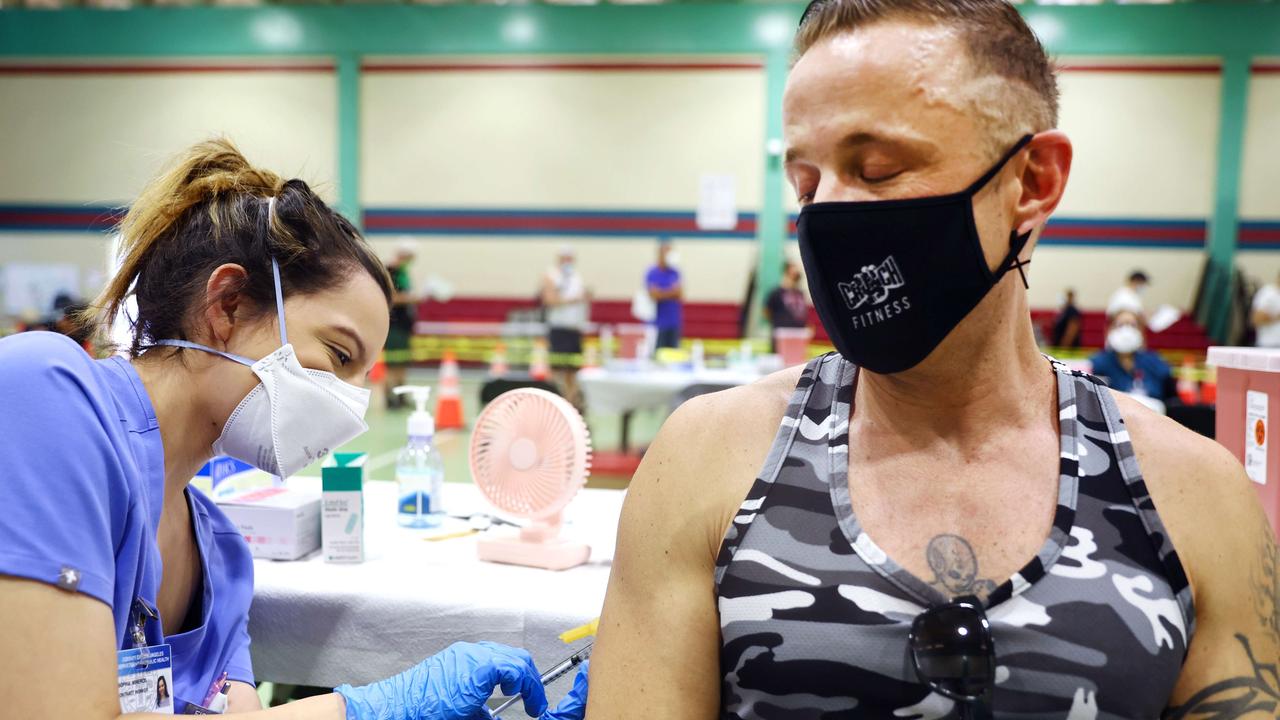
{"type": "Point", "coordinates": [212, 208]}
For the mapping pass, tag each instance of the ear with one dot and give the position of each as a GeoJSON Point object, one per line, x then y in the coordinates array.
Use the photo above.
{"type": "Point", "coordinates": [224, 303]}
{"type": "Point", "coordinates": [1044, 179]}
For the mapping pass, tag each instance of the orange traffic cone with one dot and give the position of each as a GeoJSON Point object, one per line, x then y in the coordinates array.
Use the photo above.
{"type": "Point", "coordinates": [498, 363]}
{"type": "Point", "coordinates": [539, 366]}
{"type": "Point", "coordinates": [1188, 389]}
{"type": "Point", "coordinates": [448, 399]}
{"type": "Point", "coordinates": [1209, 389]}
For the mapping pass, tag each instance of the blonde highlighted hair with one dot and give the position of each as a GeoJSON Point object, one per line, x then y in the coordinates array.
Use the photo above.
{"type": "Point", "coordinates": [999, 43]}
{"type": "Point", "coordinates": [212, 207]}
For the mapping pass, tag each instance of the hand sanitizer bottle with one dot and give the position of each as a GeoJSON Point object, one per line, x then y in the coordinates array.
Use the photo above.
{"type": "Point", "coordinates": [419, 468]}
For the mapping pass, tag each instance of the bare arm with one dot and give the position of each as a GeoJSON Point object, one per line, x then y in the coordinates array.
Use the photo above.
{"type": "Point", "coordinates": [550, 293]}
{"type": "Point", "coordinates": [57, 660]}
{"type": "Point", "coordinates": [657, 652]}
{"type": "Point", "coordinates": [675, 293]}
{"type": "Point", "coordinates": [1231, 668]}
{"type": "Point", "coordinates": [1262, 317]}
{"type": "Point", "coordinates": [1228, 549]}
{"type": "Point", "coordinates": [1072, 332]}
{"type": "Point", "coordinates": [243, 698]}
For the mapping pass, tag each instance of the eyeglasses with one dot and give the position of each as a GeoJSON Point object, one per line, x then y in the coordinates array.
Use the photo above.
{"type": "Point", "coordinates": [953, 653]}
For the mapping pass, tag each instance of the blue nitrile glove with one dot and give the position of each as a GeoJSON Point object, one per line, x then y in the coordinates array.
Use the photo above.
{"type": "Point", "coordinates": [574, 705]}
{"type": "Point", "coordinates": [453, 685]}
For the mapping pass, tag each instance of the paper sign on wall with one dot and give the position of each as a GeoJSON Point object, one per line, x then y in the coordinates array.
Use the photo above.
{"type": "Point", "coordinates": [717, 203]}
{"type": "Point", "coordinates": [30, 288]}
{"type": "Point", "coordinates": [1255, 436]}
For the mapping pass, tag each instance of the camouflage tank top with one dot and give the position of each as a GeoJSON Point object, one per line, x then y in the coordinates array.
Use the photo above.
{"type": "Point", "coordinates": [814, 616]}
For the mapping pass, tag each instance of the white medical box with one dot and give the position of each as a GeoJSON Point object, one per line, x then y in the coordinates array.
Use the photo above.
{"type": "Point", "coordinates": [277, 522]}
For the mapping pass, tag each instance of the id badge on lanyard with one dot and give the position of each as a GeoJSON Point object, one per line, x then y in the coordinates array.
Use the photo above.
{"type": "Point", "coordinates": [144, 673]}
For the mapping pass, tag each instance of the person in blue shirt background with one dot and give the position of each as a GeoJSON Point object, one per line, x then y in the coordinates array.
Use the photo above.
{"type": "Point", "coordinates": [104, 547]}
{"type": "Point", "coordinates": [1126, 365]}
{"type": "Point", "coordinates": [663, 282]}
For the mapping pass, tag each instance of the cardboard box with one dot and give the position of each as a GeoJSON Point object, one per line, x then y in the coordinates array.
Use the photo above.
{"type": "Point", "coordinates": [342, 479]}
{"type": "Point", "coordinates": [277, 522]}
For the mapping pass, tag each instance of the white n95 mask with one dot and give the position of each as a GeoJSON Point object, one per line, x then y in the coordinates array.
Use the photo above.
{"type": "Point", "coordinates": [295, 416]}
{"type": "Point", "coordinates": [1125, 339]}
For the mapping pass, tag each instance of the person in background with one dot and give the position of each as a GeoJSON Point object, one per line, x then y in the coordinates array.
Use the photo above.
{"type": "Point", "coordinates": [404, 312]}
{"type": "Point", "coordinates": [1266, 315]}
{"type": "Point", "coordinates": [260, 312]}
{"type": "Point", "coordinates": [1063, 551]}
{"type": "Point", "coordinates": [786, 306]}
{"type": "Point", "coordinates": [1126, 365]}
{"type": "Point", "coordinates": [568, 307]}
{"type": "Point", "coordinates": [663, 282]}
{"type": "Point", "coordinates": [1129, 296]}
{"type": "Point", "coordinates": [1066, 327]}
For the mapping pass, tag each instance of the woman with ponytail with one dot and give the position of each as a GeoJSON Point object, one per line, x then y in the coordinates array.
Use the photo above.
{"type": "Point", "coordinates": [259, 312]}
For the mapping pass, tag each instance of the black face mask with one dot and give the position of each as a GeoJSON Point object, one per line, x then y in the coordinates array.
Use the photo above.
{"type": "Point", "coordinates": [891, 279]}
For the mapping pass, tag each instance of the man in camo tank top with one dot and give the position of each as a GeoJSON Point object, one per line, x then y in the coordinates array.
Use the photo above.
{"type": "Point", "coordinates": [936, 521]}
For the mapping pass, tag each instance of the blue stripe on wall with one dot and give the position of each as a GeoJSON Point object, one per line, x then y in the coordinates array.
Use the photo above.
{"type": "Point", "coordinates": [517, 222]}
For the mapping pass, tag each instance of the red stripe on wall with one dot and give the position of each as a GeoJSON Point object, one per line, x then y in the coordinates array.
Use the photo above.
{"type": "Point", "coordinates": [1267, 69]}
{"type": "Point", "coordinates": [153, 69]}
{"type": "Point", "coordinates": [559, 66]}
{"type": "Point", "coordinates": [57, 218]}
{"type": "Point", "coordinates": [1259, 236]}
{"type": "Point", "coordinates": [497, 222]}
{"type": "Point", "coordinates": [1124, 232]}
{"type": "Point", "coordinates": [1138, 68]}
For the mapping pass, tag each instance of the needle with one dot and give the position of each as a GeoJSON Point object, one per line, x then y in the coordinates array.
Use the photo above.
{"type": "Point", "coordinates": [555, 673]}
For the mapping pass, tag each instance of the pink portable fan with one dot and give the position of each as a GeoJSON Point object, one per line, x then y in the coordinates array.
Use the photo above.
{"type": "Point", "coordinates": [530, 453]}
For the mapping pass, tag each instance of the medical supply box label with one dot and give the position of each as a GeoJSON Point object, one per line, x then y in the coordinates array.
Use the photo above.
{"type": "Point", "coordinates": [342, 479]}
{"type": "Point", "coordinates": [279, 523]}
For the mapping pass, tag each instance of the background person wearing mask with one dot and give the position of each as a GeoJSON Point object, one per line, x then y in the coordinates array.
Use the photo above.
{"type": "Point", "coordinates": [1125, 363]}
{"type": "Point", "coordinates": [667, 292]}
{"type": "Point", "coordinates": [1129, 296]}
{"type": "Point", "coordinates": [786, 306]}
{"type": "Point", "coordinates": [568, 307]}
{"type": "Point", "coordinates": [1266, 315]}
{"type": "Point", "coordinates": [259, 313]}
{"type": "Point", "coordinates": [792, 532]}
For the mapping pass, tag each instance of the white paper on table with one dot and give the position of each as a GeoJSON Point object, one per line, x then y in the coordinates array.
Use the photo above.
{"type": "Point", "coordinates": [717, 203]}
{"type": "Point", "coordinates": [1163, 318]}
{"type": "Point", "coordinates": [1255, 436]}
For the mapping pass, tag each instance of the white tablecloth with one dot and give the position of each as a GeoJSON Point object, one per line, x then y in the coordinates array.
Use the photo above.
{"type": "Point", "coordinates": [612, 390]}
{"type": "Point", "coordinates": [317, 623]}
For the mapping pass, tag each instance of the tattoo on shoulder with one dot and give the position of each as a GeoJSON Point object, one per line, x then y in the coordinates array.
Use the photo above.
{"type": "Point", "coordinates": [955, 567]}
{"type": "Point", "coordinates": [1266, 586]}
{"type": "Point", "coordinates": [1236, 697]}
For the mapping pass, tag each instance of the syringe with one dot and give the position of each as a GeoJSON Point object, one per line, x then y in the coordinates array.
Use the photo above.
{"type": "Point", "coordinates": [560, 670]}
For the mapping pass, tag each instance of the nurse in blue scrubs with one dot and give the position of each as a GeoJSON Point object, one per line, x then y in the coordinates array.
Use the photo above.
{"type": "Point", "coordinates": [259, 312]}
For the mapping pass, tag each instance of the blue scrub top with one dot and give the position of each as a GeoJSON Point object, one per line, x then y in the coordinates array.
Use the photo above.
{"type": "Point", "coordinates": [1148, 366]}
{"type": "Point", "coordinates": [669, 313]}
{"type": "Point", "coordinates": [82, 487]}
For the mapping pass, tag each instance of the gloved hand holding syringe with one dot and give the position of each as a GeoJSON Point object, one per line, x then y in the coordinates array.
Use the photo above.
{"type": "Point", "coordinates": [564, 667]}
{"type": "Point", "coordinates": [454, 685]}
{"type": "Point", "coordinates": [574, 704]}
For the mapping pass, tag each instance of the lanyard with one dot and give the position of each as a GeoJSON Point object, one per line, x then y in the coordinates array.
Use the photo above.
{"type": "Point", "coordinates": [141, 613]}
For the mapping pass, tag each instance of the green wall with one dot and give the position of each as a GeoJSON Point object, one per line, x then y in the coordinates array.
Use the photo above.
{"type": "Point", "coordinates": [1236, 33]}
